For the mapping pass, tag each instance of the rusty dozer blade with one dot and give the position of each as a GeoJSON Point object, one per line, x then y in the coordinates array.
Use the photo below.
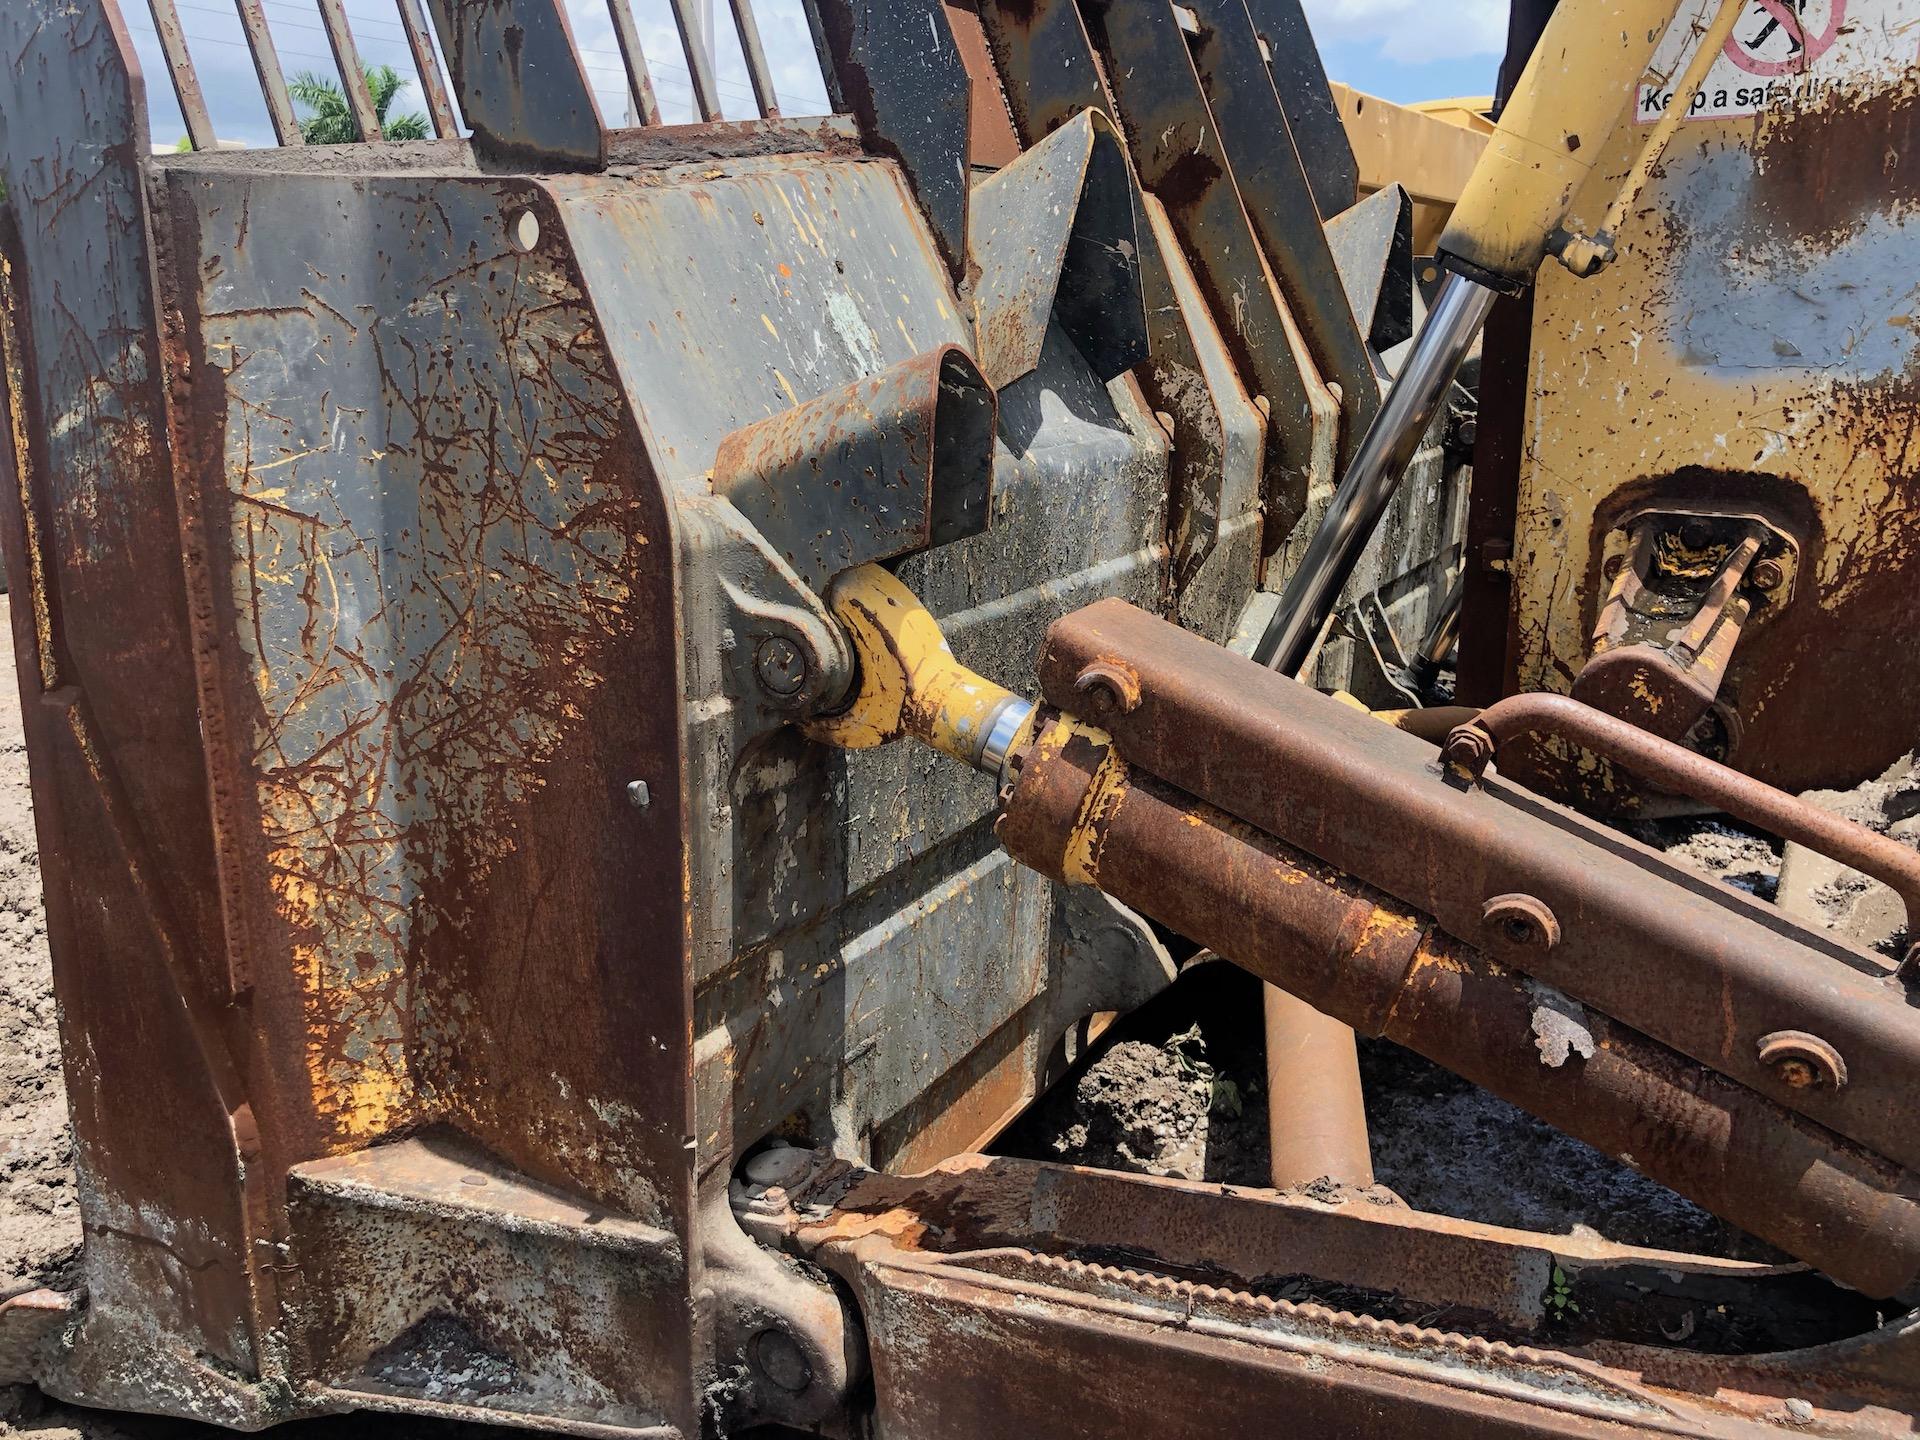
{"type": "Point", "coordinates": [1758, 1068]}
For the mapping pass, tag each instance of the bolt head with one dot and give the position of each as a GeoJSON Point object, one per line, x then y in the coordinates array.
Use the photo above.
{"type": "Point", "coordinates": [1802, 1061]}
{"type": "Point", "coordinates": [779, 1358]}
{"type": "Point", "coordinates": [780, 665]}
{"type": "Point", "coordinates": [639, 794]}
{"type": "Point", "coordinates": [1523, 920]}
{"type": "Point", "coordinates": [1613, 566]}
{"type": "Point", "coordinates": [1769, 575]}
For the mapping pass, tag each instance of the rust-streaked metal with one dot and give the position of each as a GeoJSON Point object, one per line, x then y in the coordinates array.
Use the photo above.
{"type": "Point", "coordinates": [353, 77]}
{"type": "Point", "coordinates": [1677, 770]}
{"type": "Point", "coordinates": [426, 64]}
{"type": "Point", "coordinates": [266, 65]}
{"type": "Point", "coordinates": [1081, 814]}
{"type": "Point", "coordinates": [1706, 971]}
{"type": "Point", "coordinates": [186, 82]}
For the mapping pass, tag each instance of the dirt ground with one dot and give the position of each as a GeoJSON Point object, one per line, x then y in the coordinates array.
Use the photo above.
{"type": "Point", "coordinates": [1174, 1090]}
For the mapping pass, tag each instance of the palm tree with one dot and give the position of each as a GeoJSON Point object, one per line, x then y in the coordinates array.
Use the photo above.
{"type": "Point", "coordinates": [331, 123]}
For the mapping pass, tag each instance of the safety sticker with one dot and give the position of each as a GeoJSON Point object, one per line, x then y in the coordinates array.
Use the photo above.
{"type": "Point", "coordinates": [1782, 54]}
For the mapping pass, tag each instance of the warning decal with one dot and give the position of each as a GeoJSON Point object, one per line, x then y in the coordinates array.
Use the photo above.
{"type": "Point", "coordinates": [1782, 54]}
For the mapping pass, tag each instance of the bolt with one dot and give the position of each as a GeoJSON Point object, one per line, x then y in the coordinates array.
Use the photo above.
{"type": "Point", "coordinates": [1769, 575]}
{"type": "Point", "coordinates": [780, 665]}
{"type": "Point", "coordinates": [1802, 1061]}
{"type": "Point", "coordinates": [1523, 920]}
{"type": "Point", "coordinates": [781, 1165]}
{"type": "Point", "coordinates": [638, 795]}
{"type": "Point", "coordinates": [1613, 566]}
{"type": "Point", "coordinates": [1111, 688]}
{"type": "Point", "coordinates": [1696, 534]}
{"type": "Point", "coordinates": [1466, 432]}
{"type": "Point", "coordinates": [777, 1356]}
{"type": "Point", "coordinates": [1470, 748]}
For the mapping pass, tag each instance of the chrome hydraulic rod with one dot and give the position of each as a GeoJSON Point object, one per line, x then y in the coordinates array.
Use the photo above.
{"type": "Point", "coordinates": [1453, 324]}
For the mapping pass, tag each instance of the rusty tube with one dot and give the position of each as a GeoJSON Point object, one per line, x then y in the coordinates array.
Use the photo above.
{"type": "Point", "coordinates": [1673, 767]}
{"type": "Point", "coordinates": [1076, 812]}
{"type": "Point", "coordinates": [1316, 1110]}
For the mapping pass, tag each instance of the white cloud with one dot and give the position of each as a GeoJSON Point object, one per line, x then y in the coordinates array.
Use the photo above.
{"type": "Point", "coordinates": [1412, 31]}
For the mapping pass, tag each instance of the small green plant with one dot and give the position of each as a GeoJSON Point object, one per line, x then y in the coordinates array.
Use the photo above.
{"type": "Point", "coordinates": [1189, 1049]}
{"type": "Point", "coordinates": [1225, 1099]}
{"type": "Point", "coordinates": [1560, 1301]}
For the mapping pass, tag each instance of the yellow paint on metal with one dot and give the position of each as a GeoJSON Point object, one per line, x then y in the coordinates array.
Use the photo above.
{"type": "Point", "coordinates": [1080, 863]}
{"type": "Point", "coordinates": [909, 682]}
{"type": "Point", "coordinates": [1573, 94]}
{"type": "Point", "coordinates": [36, 586]}
{"type": "Point", "coordinates": [1431, 155]}
{"type": "Point", "coordinates": [1630, 389]}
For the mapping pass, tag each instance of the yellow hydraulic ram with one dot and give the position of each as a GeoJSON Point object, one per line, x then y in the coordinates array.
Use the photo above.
{"type": "Point", "coordinates": [1075, 809]}
{"type": "Point", "coordinates": [1576, 88]}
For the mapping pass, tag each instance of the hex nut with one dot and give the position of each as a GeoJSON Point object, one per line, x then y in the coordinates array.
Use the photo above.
{"type": "Point", "coordinates": [1802, 1061]}
{"type": "Point", "coordinates": [1522, 920]}
{"type": "Point", "coordinates": [1470, 748]}
{"type": "Point", "coordinates": [1769, 575]}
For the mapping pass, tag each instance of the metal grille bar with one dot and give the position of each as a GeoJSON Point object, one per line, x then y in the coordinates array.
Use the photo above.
{"type": "Point", "coordinates": [266, 64]}
{"type": "Point", "coordinates": [756, 57]}
{"type": "Point", "coordinates": [639, 81]}
{"type": "Point", "coordinates": [353, 79]}
{"type": "Point", "coordinates": [427, 61]}
{"type": "Point", "coordinates": [706, 94]}
{"type": "Point", "coordinates": [186, 84]}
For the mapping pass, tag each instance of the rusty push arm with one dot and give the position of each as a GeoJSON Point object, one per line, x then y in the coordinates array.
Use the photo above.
{"type": "Point", "coordinates": [1703, 1038]}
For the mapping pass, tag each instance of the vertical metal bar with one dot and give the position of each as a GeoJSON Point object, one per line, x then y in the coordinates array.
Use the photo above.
{"type": "Point", "coordinates": [706, 95]}
{"type": "Point", "coordinates": [427, 61]}
{"type": "Point", "coordinates": [757, 71]}
{"type": "Point", "coordinates": [353, 80]}
{"type": "Point", "coordinates": [266, 64]}
{"type": "Point", "coordinates": [186, 84]}
{"type": "Point", "coordinates": [639, 80]}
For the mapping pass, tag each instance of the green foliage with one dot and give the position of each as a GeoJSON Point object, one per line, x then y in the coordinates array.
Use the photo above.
{"type": "Point", "coordinates": [330, 122]}
{"type": "Point", "coordinates": [1560, 1301]}
{"type": "Point", "coordinates": [184, 145]}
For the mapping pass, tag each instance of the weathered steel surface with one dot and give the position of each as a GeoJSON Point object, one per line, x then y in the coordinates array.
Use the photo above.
{"type": "Point", "coordinates": [186, 80]}
{"type": "Point", "coordinates": [273, 83]}
{"type": "Point", "coordinates": [894, 66]}
{"type": "Point", "coordinates": [1705, 970]}
{"type": "Point", "coordinates": [874, 470]}
{"type": "Point", "coordinates": [1372, 244]}
{"type": "Point", "coordinates": [1179, 155]}
{"type": "Point", "coordinates": [1299, 77]}
{"type": "Point", "coordinates": [1358, 957]}
{"type": "Point", "coordinates": [105, 657]}
{"type": "Point", "coordinates": [1678, 771]}
{"type": "Point", "coordinates": [353, 75]}
{"type": "Point", "coordinates": [1721, 391]}
{"type": "Point", "coordinates": [1037, 1277]}
{"type": "Point", "coordinates": [426, 64]}
{"type": "Point", "coordinates": [1219, 434]}
{"type": "Point", "coordinates": [1279, 200]}
{"type": "Point", "coordinates": [519, 83]}
{"type": "Point", "coordinates": [427, 1262]}
{"type": "Point", "coordinates": [1055, 234]}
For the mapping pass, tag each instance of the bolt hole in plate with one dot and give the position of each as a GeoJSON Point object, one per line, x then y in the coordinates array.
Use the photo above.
{"type": "Point", "coordinates": [523, 228]}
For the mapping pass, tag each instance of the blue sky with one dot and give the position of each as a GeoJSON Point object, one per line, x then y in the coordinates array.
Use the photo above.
{"type": "Point", "coordinates": [1390, 48]}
